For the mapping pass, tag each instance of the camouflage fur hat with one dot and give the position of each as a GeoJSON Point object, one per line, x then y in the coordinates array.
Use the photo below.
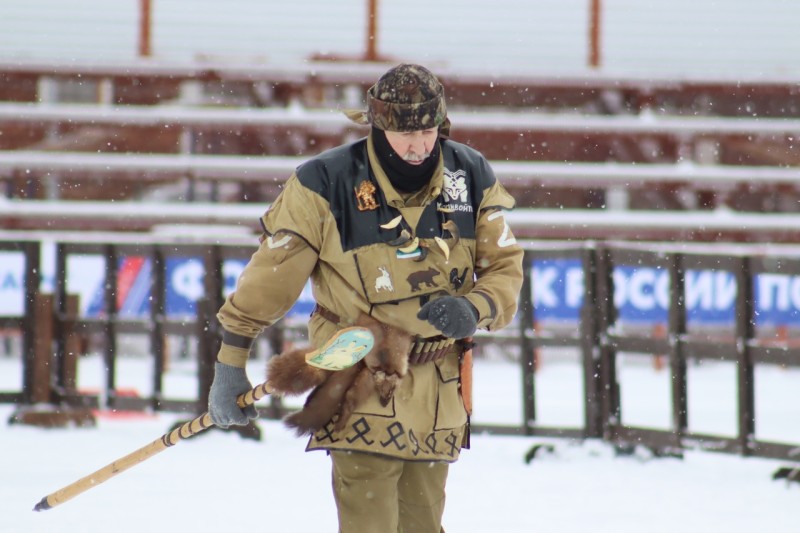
{"type": "Point", "coordinates": [407, 98]}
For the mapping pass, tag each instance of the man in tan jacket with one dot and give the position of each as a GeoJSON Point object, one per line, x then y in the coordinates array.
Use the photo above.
{"type": "Point", "coordinates": [405, 226]}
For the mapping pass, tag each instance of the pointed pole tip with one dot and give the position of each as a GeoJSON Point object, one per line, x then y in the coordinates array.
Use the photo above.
{"type": "Point", "coordinates": [42, 505]}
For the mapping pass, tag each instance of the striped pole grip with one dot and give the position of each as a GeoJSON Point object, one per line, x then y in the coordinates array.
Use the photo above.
{"type": "Point", "coordinates": [185, 431]}
{"type": "Point", "coordinates": [343, 350]}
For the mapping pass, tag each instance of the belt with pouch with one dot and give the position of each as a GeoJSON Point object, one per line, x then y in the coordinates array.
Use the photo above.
{"type": "Point", "coordinates": [423, 349]}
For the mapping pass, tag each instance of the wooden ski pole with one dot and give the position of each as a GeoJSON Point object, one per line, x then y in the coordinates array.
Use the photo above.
{"type": "Point", "coordinates": [187, 430]}
{"type": "Point", "coordinates": [346, 348]}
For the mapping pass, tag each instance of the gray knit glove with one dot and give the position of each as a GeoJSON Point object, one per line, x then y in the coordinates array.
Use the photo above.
{"type": "Point", "coordinates": [454, 316]}
{"type": "Point", "coordinates": [229, 382]}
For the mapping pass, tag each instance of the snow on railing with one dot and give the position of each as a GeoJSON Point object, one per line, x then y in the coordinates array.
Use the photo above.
{"type": "Point", "coordinates": [511, 173]}
{"type": "Point", "coordinates": [574, 224]}
{"type": "Point", "coordinates": [327, 119]}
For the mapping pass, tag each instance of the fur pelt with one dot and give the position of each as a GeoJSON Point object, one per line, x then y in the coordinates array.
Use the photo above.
{"type": "Point", "coordinates": [337, 394]}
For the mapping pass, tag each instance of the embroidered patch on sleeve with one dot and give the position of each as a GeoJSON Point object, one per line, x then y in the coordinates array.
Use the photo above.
{"type": "Point", "coordinates": [273, 243]}
{"type": "Point", "coordinates": [506, 237]}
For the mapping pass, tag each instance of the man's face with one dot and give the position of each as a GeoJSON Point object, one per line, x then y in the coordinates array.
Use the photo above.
{"type": "Point", "coordinates": [413, 146]}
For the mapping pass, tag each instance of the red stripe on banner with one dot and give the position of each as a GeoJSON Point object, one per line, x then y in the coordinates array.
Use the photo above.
{"type": "Point", "coordinates": [126, 277]}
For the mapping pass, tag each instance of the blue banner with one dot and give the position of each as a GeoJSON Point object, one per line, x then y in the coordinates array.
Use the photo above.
{"type": "Point", "coordinates": [641, 294]}
{"type": "Point", "coordinates": [184, 286]}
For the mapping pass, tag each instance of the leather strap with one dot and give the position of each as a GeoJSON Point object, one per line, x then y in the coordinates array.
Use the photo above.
{"type": "Point", "coordinates": [237, 341]}
{"type": "Point", "coordinates": [327, 314]}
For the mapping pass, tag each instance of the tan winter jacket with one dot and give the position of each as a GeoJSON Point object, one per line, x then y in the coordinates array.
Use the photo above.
{"type": "Point", "coordinates": [337, 222]}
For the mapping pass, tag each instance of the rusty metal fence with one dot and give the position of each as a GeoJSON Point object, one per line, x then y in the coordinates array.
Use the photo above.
{"type": "Point", "coordinates": [51, 324]}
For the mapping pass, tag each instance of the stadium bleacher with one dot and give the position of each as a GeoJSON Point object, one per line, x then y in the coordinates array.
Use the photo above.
{"type": "Point", "coordinates": [573, 142]}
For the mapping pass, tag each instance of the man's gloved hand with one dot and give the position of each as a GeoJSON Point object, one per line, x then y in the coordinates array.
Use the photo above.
{"type": "Point", "coordinates": [454, 316]}
{"type": "Point", "coordinates": [229, 382]}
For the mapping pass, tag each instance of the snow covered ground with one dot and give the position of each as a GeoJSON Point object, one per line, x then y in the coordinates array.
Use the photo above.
{"type": "Point", "coordinates": [220, 482]}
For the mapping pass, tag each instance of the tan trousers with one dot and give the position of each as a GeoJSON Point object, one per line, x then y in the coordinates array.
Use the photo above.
{"type": "Point", "coordinates": [377, 494]}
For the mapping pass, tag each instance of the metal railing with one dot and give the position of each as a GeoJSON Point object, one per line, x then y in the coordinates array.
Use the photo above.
{"type": "Point", "coordinates": [326, 82]}
{"type": "Point", "coordinates": [23, 172]}
{"type": "Point", "coordinates": [599, 335]}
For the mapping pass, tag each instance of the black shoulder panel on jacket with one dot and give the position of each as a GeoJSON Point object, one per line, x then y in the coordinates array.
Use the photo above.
{"type": "Point", "coordinates": [337, 174]}
{"type": "Point", "coordinates": [345, 162]}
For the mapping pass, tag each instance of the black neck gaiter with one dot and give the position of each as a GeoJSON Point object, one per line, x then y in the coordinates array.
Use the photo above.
{"type": "Point", "coordinates": [403, 176]}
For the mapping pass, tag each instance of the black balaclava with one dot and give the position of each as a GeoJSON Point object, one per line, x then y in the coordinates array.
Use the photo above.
{"type": "Point", "coordinates": [403, 176]}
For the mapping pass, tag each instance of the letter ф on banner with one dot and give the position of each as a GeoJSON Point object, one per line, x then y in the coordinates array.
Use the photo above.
{"type": "Point", "coordinates": [185, 286]}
